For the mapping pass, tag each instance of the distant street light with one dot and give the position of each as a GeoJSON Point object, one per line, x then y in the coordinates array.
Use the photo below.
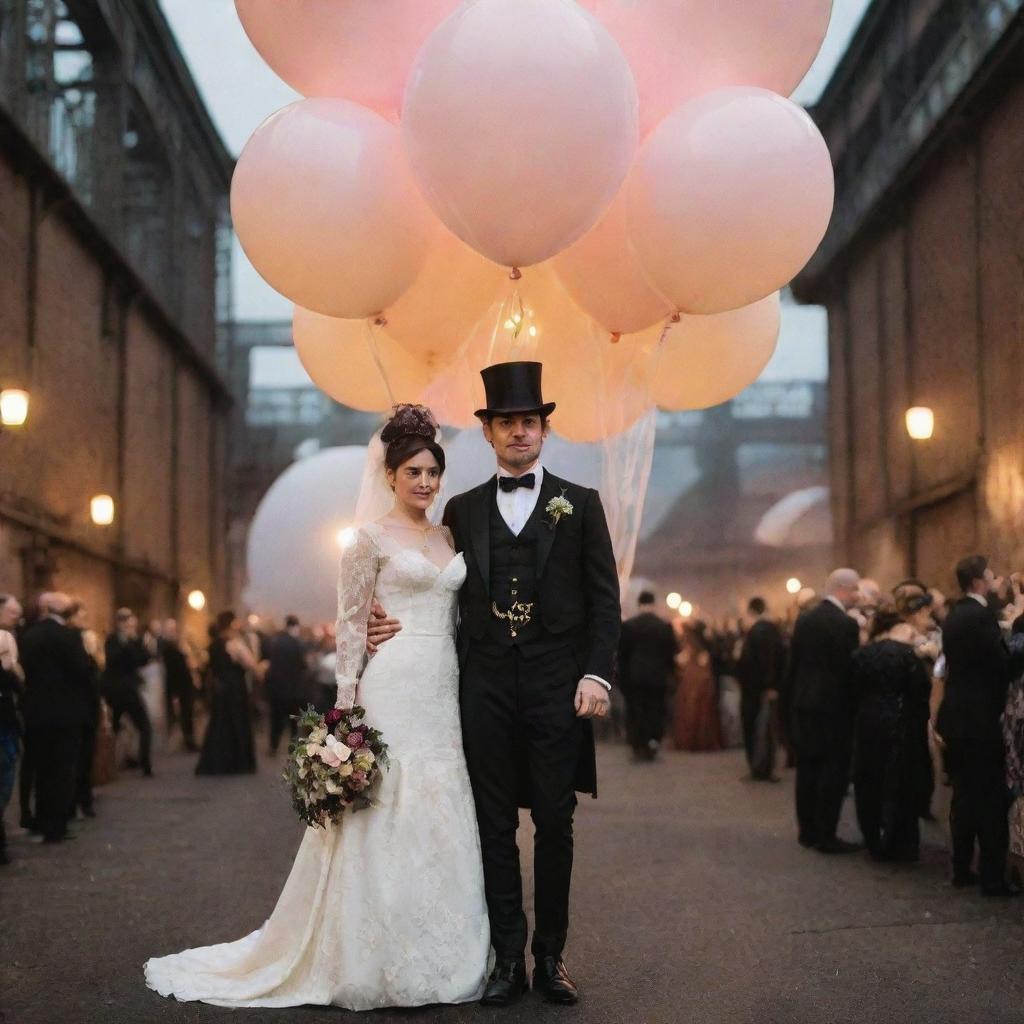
{"type": "Point", "coordinates": [101, 509]}
{"type": "Point", "coordinates": [920, 423]}
{"type": "Point", "coordinates": [793, 586]}
{"type": "Point", "coordinates": [674, 601]}
{"type": "Point", "coordinates": [13, 407]}
{"type": "Point", "coordinates": [197, 600]}
{"type": "Point", "coordinates": [686, 609]}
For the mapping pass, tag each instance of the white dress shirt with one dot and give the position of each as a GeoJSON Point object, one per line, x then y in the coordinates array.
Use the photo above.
{"type": "Point", "coordinates": [517, 506]}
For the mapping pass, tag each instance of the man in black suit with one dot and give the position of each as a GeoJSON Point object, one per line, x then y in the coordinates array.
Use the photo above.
{"type": "Point", "coordinates": [58, 675]}
{"type": "Point", "coordinates": [125, 656]}
{"type": "Point", "coordinates": [180, 680]}
{"type": "Point", "coordinates": [287, 680]}
{"type": "Point", "coordinates": [824, 641]}
{"type": "Point", "coordinates": [977, 675]}
{"type": "Point", "coordinates": [760, 670]}
{"type": "Point", "coordinates": [647, 651]}
{"type": "Point", "coordinates": [538, 634]}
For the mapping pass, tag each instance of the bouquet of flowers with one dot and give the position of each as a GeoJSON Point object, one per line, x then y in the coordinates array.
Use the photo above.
{"type": "Point", "coordinates": [333, 764]}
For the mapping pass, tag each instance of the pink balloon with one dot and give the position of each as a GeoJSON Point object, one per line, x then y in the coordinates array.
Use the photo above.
{"type": "Point", "coordinates": [708, 360]}
{"type": "Point", "coordinates": [605, 279]}
{"type": "Point", "coordinates": [359, 50]}
{"type": "Point", "coordinates": [453, 290]}
{"type": "Point", "coordinates": [730, 198]}
{"type": "Point", "coordinates": [679, 49]}
{"type": "Point", "coordinates": [326, 209]}
{"type": "Point", "coordinates": [339, 357]}
{"type": "Point", "coordinates": [521, 123]}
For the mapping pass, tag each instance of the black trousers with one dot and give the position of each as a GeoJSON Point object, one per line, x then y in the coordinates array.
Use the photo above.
{"type": "Point", "coordinates": [27, 782]}
{"type": "Point", "coordinates": [127, 701]}
{"type": "Point", "coordinates": [823, 753]}
{"type": "Point", "coordinates": [56, 768]}
{"type": "Point", "coordinates": [646, 712]}
{"type": "Point", "coordinates": [185, 693]}
{"type": "Point", "coordinates": [751, 703]}
{"type": "Point", "coordinates": [522, 738]}
{"type": "Point", "coordinates": [82, 799]}
{"type": "Point", "coordinates": [281, 712]}
{"type": "Point", "coordinates": [977, 769]}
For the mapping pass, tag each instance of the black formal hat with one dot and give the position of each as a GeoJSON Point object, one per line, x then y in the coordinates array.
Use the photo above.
{"type": "Point", "coordinates": [513, 387]}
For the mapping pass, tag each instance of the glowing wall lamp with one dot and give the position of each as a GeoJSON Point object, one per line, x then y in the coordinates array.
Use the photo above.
{"type": "Point", "coordinates": [686, 609]}
{"type": "Point", "coordinates": [102, 509]}
{"type": "Point", "coordinates": [920, 423]}
{"type": "Point", "coordinates": [674, 601]}
{"type": "Point", "coordinates": [197, 600]}
{"type": "Point", "coordinates": [793, 586]}
{"type": "Point", "coordinates": [13, 407]}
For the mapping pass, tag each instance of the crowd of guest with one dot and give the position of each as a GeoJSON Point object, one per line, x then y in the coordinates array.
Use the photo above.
{"type": "Point", "coordinates": [74, 708]}
{"type": "Point", "coordinates": [890, 691]}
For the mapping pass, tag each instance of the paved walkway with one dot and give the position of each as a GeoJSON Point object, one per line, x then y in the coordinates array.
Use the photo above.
{"type": "Point", "coordinates": [692, 902]}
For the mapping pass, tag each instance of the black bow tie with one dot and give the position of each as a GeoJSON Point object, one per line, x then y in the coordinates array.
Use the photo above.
{"type": "Point", "coordinates": [509, 483]}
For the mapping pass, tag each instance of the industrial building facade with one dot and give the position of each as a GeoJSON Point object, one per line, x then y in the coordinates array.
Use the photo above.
{"type": "Point", "coordinates": [115, 257]}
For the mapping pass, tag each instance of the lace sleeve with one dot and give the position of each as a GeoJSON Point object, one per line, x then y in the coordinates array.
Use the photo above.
{"type": "Point", "coordinates": [356, 579]}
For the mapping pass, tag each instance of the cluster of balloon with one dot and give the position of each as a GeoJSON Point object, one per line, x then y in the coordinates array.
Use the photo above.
{"type": "Point", "coordinates": [617, 187]}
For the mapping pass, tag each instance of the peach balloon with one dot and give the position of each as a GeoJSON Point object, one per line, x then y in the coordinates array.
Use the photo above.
{"type": "Point", "coordinates": [731, 196]}
{"type": "Point", "coordinates": [679, 49]}
{"type": "Point", "coordinates": [359, 50]}
{"type": "Point", "coordinates": [707, 360]}
{"type": "Point", "coordinates": [603, 276]}
{"type": "Point", "coordinates": [602, 387]}
{"type": "Point", "coordinates": [520, 120]}
{"type": "Point", "coordinates": [453, 290]}
{"type": "Point", "coordinates": [338, 356]}
{"type": "Point", "coordinates": [326, 209]}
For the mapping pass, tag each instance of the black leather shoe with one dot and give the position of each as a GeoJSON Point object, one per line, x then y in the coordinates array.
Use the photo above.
{"type": "Point", "coordinates": [964, 881]}
{"type": "Point", "coordinates": [837, 845]}
{"type": "Point", "coordinates": [552, 981]}
{"type": "Point", "coordinates": [506, 983]}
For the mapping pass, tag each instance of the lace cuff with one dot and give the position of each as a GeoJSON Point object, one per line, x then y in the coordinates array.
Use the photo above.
{"type": "Point", "coordinates": [357, 577]}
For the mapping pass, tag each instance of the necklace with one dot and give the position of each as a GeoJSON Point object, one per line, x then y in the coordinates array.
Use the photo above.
{"type": "Point", "coordinates": [423, 531]}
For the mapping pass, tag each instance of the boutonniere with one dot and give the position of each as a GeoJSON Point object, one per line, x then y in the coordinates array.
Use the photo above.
{"type": "Point", "coordinates": [556, 508]}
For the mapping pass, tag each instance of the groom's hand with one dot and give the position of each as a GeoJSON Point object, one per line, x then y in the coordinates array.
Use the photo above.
{"type": "Point", "coordinates": [380, 629]}
{"type": "Point", "coordinates": [592, 700]}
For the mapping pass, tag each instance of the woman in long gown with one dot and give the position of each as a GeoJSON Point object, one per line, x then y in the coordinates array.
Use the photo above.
{"type": "Point", "coordinates": [228, 747]}
{"type": "Point", "coordinates": [891, 758]}
{"type": "Point", "coordinates": [696, 724]}
{"type": "Point", "coordinates": [387, 908]}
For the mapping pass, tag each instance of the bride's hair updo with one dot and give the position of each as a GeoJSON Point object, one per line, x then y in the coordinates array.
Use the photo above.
{"type": "Point", "coordinates": [411, 430]}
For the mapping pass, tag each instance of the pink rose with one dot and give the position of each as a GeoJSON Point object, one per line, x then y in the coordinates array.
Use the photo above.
{"type": "Point", "coordinates": [359, 778]}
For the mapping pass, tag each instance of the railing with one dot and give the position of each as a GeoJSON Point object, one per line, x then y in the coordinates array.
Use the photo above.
{"type": "Point", "coordinates": [286, 407]}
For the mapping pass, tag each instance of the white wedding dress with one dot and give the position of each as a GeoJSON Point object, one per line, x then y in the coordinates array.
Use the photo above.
{"type": "Point", "coordinates": [388, 908]}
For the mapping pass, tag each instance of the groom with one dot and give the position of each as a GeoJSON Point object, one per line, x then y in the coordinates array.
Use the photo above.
{"type": "Point", "coordinates": [539, 627]}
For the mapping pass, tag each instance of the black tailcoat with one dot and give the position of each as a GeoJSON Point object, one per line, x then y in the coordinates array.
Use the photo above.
{"type": "Point", "coordinates": [577, 586]}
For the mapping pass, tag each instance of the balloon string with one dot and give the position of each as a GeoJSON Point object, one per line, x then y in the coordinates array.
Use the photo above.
{"type": "Point", "coordinates": [371, 341]}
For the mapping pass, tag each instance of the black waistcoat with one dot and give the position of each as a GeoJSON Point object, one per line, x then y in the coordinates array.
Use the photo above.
{"type": "Point", "coordinates": [514, 579]}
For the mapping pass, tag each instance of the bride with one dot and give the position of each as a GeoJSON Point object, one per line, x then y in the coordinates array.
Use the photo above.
{"type": "Point", "coordinates": [387, 908]}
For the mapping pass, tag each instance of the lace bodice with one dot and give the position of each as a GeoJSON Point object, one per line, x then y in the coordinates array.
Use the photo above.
{"type": "Point", "coordinates": [409, 585]}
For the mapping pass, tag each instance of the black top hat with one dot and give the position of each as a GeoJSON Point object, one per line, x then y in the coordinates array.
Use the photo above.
{"type": "Point", "coordinates": [513, 387]}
